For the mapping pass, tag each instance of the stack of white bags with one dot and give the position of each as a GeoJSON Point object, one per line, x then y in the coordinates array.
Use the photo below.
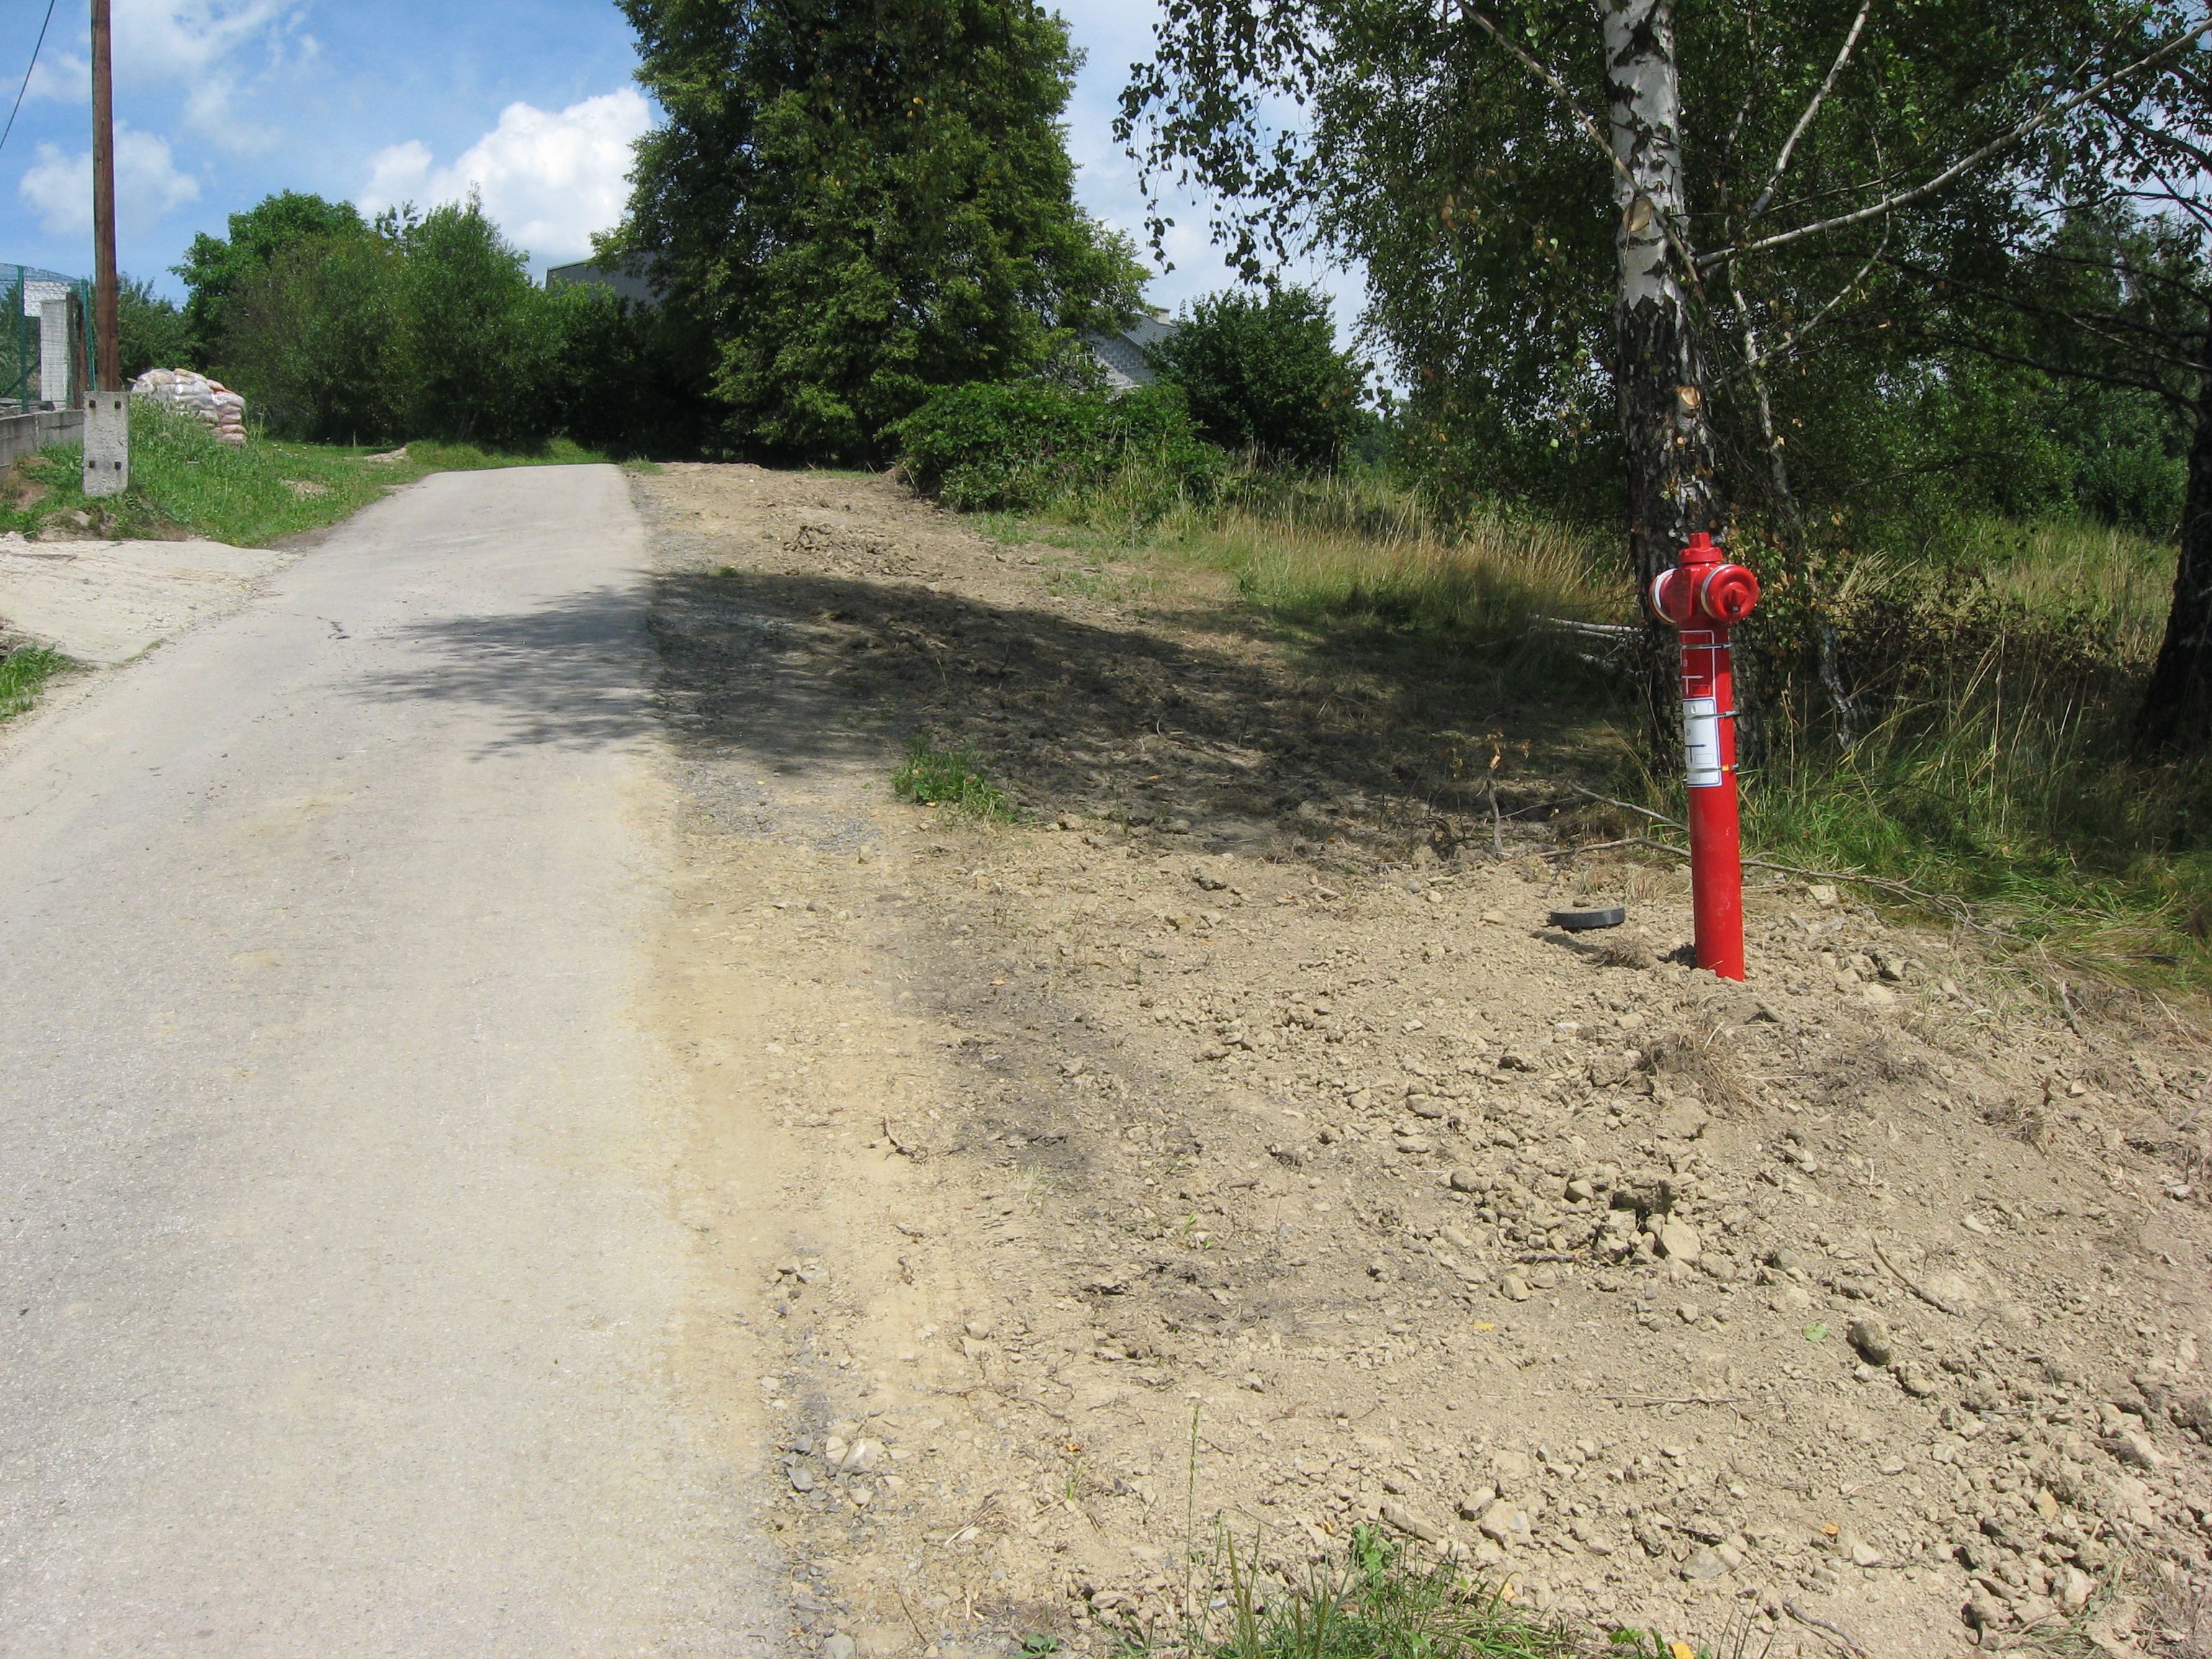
{"type": "Point", "coordinates": [212, 401]}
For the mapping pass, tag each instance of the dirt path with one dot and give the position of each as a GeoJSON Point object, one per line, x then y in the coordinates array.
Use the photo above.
{"type": "Point", "coordinates": [1233, 1140]}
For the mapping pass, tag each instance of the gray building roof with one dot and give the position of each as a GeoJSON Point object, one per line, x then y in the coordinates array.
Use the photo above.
{"type": "Point", "coordinates": [1122, 355]}
{"type": "Point", "coordinates": [631, 283]}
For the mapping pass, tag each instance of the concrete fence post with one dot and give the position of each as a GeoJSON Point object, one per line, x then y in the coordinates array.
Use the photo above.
{"type": "Point", "coordinates": [106, 443]}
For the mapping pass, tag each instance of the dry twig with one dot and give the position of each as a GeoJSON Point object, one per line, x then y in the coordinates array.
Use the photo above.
{"type": "Point", "coordinates": [1918, 1289]}
{"type": "Point", "coordinates": [1850, 1642]}
{"type": "Point", "coordinates": [1629, 806]}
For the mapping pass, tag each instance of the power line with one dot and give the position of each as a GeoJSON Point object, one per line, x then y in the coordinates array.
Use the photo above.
{"type": "Point", "coordinates": [25, 86]}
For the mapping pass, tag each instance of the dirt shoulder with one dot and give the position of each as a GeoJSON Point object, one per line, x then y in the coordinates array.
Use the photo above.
{"type": "Point", "coordinates": [1233, 1143]}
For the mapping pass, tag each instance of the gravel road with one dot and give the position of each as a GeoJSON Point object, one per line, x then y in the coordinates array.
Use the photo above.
{"type": "Point", "coordinates": [344, 1305]}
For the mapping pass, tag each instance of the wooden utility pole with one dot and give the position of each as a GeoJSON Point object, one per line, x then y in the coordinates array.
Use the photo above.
{"type": "Point", "coordinates": [108, 406]}
{"type": "Point", "coordinates": [105, 300]}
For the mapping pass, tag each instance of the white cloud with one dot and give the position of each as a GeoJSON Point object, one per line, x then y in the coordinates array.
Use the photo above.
{"type": "Point", "coordinates": [396, 173]}
{"type": "Point", "coordinates": [216, 49]}
{"type": "Point", "coordinates": [550, 180]}
{"type": "Point", "coordinates": [148, 184]}
{"type": "Point", "coordinates": [63, 77]}
{"type": "Point", "coordinates": [177, 39]}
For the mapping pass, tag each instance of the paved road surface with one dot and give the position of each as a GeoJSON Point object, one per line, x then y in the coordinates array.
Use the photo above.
{"type": "Point", "coordinates": [339, 1279]}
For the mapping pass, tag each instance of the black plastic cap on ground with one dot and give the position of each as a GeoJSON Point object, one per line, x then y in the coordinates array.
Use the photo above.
{"type": "Point", "coordinates": [1581, 921]}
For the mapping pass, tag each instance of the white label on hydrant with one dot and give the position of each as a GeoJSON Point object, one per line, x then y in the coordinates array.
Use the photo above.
{"type": "Point", "coordinates": [1701, 736]}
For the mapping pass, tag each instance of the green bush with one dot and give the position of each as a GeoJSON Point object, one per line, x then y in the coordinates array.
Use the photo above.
{"type": "Point", "coordinates": [1031, 444]}
{"type": "Point", "coordinates": [1264, 374]}
{"type": "Point", "coordinates": [311, 340]}
{"type": "Point", "coordinates": [151, 332]}
{"type": "Point", "coordinates": [429, 327]}
{"type": "Point", "coordinates": [628, 378]}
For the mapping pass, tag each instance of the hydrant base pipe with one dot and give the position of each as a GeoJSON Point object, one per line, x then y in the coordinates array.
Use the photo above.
{"type": "Point", "coordinates": [1701, 596]}
{"type": "Point", "coordinates": [1716, 837]}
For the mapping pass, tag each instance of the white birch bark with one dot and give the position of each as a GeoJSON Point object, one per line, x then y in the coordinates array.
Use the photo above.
{"type": "Point", "coordinates": [1660, 370]}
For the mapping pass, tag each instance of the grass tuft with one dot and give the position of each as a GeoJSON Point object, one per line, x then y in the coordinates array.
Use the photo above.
{"type": "Point", "coordinates": [1372, 1600]}
{"type": "Point", "coordinates": [24, 672]}
{"type": "Point", "coordinates": [949, 777]}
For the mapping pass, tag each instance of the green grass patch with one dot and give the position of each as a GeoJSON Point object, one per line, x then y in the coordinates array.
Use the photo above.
{"type": "Point", "coordinates": [24, 672]}
{"type": "Point", "coordinates": [949, 777]}
{"type": "Point", "coordinates": [2045, 826]}
{"type": "Point", "coordinates": [184, 482]}
{"type": "Point", "coordinates": [1374, 1599]}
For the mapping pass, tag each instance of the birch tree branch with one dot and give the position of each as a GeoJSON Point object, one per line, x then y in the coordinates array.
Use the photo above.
{"type": "Point", "coordinates": [1591, 130]}
{"type": "Point", "coordinates": [2050, 112]}
{"type": "Point", "coordinates": [1781, 159]}
{"type": "Point", "coordinates": [1792, 338]}
{"type": "Point", "coordinates": [1560, 89]}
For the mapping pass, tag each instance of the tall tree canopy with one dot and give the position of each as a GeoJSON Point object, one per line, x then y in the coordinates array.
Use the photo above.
{"type": "Point", "coordinates": [1613, 232]}
{"type": "Point", "coordinates": [865, 201]}
{"type": "Point", "coordinates": [216, 268]}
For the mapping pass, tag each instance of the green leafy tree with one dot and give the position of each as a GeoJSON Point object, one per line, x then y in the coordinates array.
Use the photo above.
{"type": "Point", "coordinates": [313, 339]}
{"type": "Point", "coordinates": [1263, 372]}
{"type": "Point", "coordinates": [625, 377]}
{"type": "Point", "coordinates": [152, 333]}
{"type": "Point", "coordinates": [863, 202]}
{"type": "Point", "coordinates": [427, 325]}
{"type": "Point", "coordinates": [215, 267]}
{"type": "Point", "coordinates": [474, 336]}
{"type": "Point", "coordinates": [1621, 233]}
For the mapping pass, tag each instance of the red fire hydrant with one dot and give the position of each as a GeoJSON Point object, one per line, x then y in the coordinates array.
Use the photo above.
{"type": "Point", "coordinates": [1703, 595]}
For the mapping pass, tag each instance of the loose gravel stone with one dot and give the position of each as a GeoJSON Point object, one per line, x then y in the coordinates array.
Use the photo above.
{"type": "Point", "coordinates": [1871, 1337]}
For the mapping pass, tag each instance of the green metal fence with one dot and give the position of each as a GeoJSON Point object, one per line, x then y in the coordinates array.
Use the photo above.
{"type": "Point", "coordinates": [26, 286]}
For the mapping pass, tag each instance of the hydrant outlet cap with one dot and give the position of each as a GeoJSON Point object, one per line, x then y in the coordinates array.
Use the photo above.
{"type": "Point", "coordinates": [1728, 595]}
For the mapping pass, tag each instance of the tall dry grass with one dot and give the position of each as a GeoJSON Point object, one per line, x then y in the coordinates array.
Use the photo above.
{"type": "Point", "coordinates": [1993, 684]}
{"type": "Point", "coordinates": [2123, 581]}
{"type": "Point", "coordinates": [1993, 676]}
{"type": "Point", "coordinates": [1362, 554]}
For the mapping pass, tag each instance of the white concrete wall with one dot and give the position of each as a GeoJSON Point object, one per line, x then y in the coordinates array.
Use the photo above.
{"type": "Point", "coordinates": [54, 350]}
{"type": "Point", "coordinates": [26, 435]}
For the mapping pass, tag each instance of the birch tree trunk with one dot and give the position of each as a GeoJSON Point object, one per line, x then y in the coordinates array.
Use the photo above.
{"type": "Point", "coordinates": [2177, 709]}
{"type": "Point", "coordinates": [1660, 374]}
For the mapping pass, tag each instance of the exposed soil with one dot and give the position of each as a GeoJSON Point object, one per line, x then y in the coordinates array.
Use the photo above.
{"type": "Point", "coordinates": [1233, 1143]}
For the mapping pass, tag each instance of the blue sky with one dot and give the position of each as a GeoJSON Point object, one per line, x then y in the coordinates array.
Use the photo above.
{"type": "Point", "coordinates": [221, 101]}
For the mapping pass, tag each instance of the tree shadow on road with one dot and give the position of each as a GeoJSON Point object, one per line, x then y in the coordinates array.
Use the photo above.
{"type": "Point", "coordinates": [571, 674]}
